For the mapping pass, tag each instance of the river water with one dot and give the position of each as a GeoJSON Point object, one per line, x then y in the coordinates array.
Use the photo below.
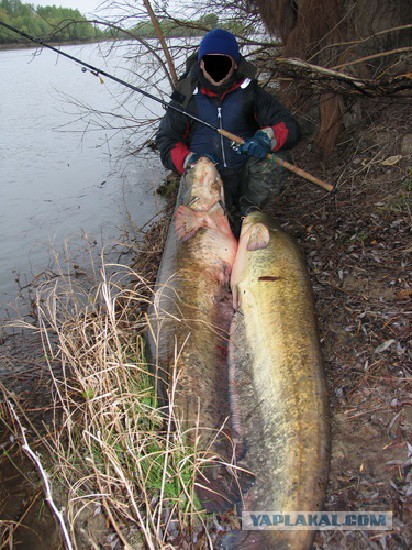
{"type": "Point", "coordinates": [62, 175]}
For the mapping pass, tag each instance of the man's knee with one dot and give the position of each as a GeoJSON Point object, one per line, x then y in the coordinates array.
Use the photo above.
{"type": "Point", "coordinates": [264, 180]}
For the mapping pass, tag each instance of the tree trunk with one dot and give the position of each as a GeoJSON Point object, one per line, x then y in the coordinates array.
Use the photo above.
{"type": "Point", "coordinates": [335, 33]}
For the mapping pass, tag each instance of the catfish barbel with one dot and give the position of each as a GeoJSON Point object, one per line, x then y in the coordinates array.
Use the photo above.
{"type": "Point", "coordinates": [192, 310]}
{"type": "Point", "coordinates": [280, 405]}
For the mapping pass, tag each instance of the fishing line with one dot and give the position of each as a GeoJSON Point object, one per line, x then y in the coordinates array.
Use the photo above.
{"type": "Point", "coordinates": [97, 72]}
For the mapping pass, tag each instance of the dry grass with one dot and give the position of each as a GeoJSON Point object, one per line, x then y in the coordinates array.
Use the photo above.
{"type": "Point", "coordinates": [108, 450]}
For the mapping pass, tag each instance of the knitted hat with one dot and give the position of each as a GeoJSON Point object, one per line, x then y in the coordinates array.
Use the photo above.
{"type": "Point", "coordinates": [219, 42]}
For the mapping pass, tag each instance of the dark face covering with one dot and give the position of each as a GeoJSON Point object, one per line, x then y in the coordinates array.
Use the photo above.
{"type": "Point", "coordinates": [217, 66]}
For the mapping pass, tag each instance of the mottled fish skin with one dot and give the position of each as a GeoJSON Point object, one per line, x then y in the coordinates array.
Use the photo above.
{"type": "Point", "coordinates": [192, 308]}
{"type": "Point", "coordinates": [274, 295]}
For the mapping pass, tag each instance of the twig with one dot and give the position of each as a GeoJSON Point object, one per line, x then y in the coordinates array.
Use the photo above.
{"type": "Point", "coordinates": [297, 68]}
{"type": "Point", "coordinates": [374, 56]}
{"type": "Point", "coordinates": [161, 38]}
{"type": "Point", "coordinates": [351, 43]}
{"type": "Point", "coordinates": [37, 462]}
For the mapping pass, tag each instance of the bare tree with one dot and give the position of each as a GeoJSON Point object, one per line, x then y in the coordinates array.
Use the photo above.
{"type": "Point", "coordinates": [367, 41]}
{"type": "Point", "coordinates": [328, 54]}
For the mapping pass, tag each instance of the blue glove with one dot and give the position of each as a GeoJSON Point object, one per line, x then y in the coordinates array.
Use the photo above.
{"type": "Point", "coordinates": [258, 145]}
{"type": "Point", "coordinates": [192, 158]}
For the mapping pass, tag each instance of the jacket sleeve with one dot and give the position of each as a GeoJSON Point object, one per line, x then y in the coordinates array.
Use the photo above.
{"type": "Point", "coordinates": [171, 139]}
{"type": "Point", "coordinates": [270, 113]}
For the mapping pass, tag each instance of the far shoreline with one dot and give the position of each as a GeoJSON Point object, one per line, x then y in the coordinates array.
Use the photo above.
{"type": "Point", "coordinates": [29, 44]}
{"type": "Point", "coordinates": [25, 45]}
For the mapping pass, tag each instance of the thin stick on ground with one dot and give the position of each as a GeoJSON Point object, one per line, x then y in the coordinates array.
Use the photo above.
{"type": "Point", "coordinates": [43, 474]}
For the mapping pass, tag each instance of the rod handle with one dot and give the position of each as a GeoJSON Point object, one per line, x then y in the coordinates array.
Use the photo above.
{"type": "Point", "coordinates": [298, 171]}
{"type": "Point", "coordinates": [295, 169]}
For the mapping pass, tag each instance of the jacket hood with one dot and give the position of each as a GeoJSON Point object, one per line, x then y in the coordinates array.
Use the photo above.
{"type": "Point", "coordinates": [193, 78]}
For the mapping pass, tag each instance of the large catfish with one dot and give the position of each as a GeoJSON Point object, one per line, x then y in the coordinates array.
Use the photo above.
{"type": "Point", "coordinates": [192, 309]}
{"type": "Point", "coordinates": [280, 405]}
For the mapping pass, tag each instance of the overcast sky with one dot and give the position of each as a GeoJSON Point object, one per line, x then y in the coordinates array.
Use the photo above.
{"type": "Point", "coordinates": [90, 6]}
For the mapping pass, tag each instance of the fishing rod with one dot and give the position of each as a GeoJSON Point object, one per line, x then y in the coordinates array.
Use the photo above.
{"type": "Point", "coordinates": [232, 137]}
{"type": "Point", "coordinates": [96, 72]}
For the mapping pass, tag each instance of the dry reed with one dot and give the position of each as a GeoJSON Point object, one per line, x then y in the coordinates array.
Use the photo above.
{"type": "Point", "coordinates": [110, 449]}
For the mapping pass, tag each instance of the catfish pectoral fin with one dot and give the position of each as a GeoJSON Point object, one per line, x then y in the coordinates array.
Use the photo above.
{"type": "Point", "coordinates": [258, 237]}
{"type": "Point", "coordinates": [187, 222]}
{"type": "Point", "coordinates": [218, 490]}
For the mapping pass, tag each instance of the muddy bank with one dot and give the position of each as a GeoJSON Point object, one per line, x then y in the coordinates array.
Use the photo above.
{"type": "Point", "coordinates": [25, 519]}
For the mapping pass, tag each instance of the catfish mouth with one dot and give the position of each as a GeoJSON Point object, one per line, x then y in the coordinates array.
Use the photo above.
{"type": "Point", "coordinates": [201, 204]}
{"type": "Point", "coordinates": [207, 187]}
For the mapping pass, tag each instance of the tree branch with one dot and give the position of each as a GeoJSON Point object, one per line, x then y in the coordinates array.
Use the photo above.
{"type": "Point", "coordinates": [43, 474]}
{"type": "Point", "coordinates": [373, 56]}
{"type": "Point", "coordinates": [161, 38]}
{"type": "Point", "coordinates": [296, 68]}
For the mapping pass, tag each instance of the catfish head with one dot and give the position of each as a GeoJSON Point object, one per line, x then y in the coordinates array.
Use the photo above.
{"type": "Point", "coordinates": [204, 186]}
